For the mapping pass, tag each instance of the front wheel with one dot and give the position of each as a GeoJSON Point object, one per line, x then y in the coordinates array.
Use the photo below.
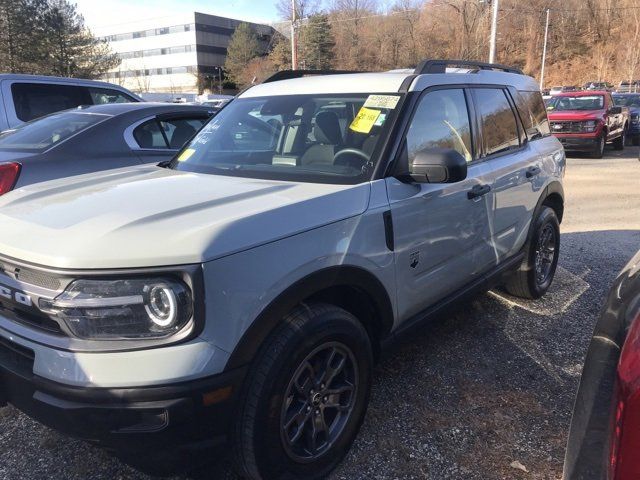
{"type": "Point", "coordinates": [306, 396]}
{"type": "Point", "coordinates": [534, 277]}
{"type": "Point", "coordinates": [618, 143]}
{"type": "Point", "coordinates": [598, 151]}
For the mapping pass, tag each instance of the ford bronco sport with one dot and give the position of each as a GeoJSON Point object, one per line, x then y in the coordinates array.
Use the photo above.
{"type": "Point", "coordinates": [242, 291]}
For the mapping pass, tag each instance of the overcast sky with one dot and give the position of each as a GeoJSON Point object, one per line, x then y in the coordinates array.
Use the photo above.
{"type": "Point", "coordinates": [101, 13]}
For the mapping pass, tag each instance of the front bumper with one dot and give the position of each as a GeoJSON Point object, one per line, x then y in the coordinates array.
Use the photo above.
{"type": "Point", "coordinates": [578, 143]}
{"type": "Point", "coordinates": [180, 415]}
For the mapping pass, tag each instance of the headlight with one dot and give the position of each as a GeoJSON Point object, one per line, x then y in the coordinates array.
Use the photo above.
{"type": "Point", "coordinates": [589, 126]}
{"type": "Point", "coordinates": [635, 118]}
{"type": "Point", "coordinates": [122, 309]}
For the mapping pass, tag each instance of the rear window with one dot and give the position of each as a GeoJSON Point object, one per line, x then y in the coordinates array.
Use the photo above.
{"type": "Point", "coordinates": [41, 134]}
{"type": "Point", "coordinates": [533, 113]}
{"type": "Point", "coordinates": [35, 100]}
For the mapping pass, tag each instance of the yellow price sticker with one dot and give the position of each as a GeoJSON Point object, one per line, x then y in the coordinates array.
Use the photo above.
{"type": "Point", "coordinates": [365, 120]}
{"type": "Point", "coordinates": [186, 154]}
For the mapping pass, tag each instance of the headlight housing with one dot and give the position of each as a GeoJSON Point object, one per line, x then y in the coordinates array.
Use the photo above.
{"type": "Point", "coordinates": [589, 126]}
{"type": "Point", "coordinates": [123, 309]}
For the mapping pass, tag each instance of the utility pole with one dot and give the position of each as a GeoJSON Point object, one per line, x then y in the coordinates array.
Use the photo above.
{"type": "Point", "coordinates": [294, 39]}
{"type": "Point", "coordinates": [544, 51]}
{"type": "Point", "coordinates": [494, 30]}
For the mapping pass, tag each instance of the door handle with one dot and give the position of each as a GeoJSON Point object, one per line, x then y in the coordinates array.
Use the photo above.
{"type": "Point", "coordinates": [533, 171]}
{"type": "Point", "coordinates": [478, 191]}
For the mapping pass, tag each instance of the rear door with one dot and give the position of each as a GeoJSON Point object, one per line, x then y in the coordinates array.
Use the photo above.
{"type": "Point", "coordinates": [441, 235]}
{"type": "Point", "coordinates": [514, 167]}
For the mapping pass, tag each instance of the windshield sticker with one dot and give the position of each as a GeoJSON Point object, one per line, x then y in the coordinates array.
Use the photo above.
{"type": "Point", "coordinates": [382, 101]}
{"type": "Point", "coordinates": [365, 120]}
{"type": "Point", "coordinates": [380, 120]}
{"type": "Point", "coordinates": [184, 156]}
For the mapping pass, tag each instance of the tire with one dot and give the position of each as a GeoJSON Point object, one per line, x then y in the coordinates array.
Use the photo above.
{"type": "Point", "coordinates": [528, 281]}
{"type": "Point", "coordinates": [618, 143]}
{"type": "Point", "coordinates": [598, 151]}
{"type": "Point", "coordinates": [264, 437]}
{"type": "Point", "coordinates": [635, 140]}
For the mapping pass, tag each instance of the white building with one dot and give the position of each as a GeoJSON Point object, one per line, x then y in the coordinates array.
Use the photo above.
{"type": "Point", "coordinates": [168, 54]}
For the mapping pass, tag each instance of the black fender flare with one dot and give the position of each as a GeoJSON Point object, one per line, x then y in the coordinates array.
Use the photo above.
{"type": "Point", "coordinates": [554, 188]}
{"type": "Point", "coordinates": [272, 315]}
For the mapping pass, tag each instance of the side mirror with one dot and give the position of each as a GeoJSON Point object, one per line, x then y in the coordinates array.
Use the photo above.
{"type": "Point", "coordinates": [615, 110]}
{"type": "Point", "coordinates": [438, 165]}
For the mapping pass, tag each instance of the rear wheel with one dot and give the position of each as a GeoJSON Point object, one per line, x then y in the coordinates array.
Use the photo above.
{"type": "Point", "coordinates": [534, 277]}
{"type": "Point", "coordinates": [598, 151]}
{"type": "Point", "coordinates": [305, 397]}
{"type": "Point", "coordinates": [618, 143]}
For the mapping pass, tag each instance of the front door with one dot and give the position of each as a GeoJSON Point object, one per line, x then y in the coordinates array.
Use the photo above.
{"type": "Point", "coordinates": [441, 231]}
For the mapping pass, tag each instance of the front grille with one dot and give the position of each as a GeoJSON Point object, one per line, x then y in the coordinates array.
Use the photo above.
{"type": "Point", "coordinates": [30, 318]}
{"type": "Point", "coordinates": [566, 127]}
{"type": "Point", "coordinates": [32, 277]}
{"type": "Point", "coordinates": [16, 358]}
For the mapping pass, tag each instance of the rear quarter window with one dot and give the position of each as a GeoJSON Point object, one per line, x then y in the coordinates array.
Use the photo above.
{"type": "Point", "coordinates": [533, 113]}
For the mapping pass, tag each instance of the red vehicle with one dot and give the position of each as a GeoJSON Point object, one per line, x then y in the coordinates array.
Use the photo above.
{"type": "Point", "coordinates": [586, 121]}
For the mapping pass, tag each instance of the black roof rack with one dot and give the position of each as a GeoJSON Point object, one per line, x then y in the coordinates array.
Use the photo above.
{"type": "Point", "coordinates": [440, 66]}
{"type": "Point", "coordinates": [288, 74]}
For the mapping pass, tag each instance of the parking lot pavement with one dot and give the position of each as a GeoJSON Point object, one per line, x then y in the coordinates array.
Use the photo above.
{"type": "Point", "coordinates": [485, 393]}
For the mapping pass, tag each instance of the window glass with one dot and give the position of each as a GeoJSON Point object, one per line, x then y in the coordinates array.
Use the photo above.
{"type": "Point", "coordinates": [41, 134]}
{"type": "Point", "coordinates": [179, 130]}
{"type": "Point", "coordinates": [584, 102]}
{"type": "Point", "coordinates": [148, 135]}
{"type": "Point", "coordinates": [34, 100]}
{"type": "Point", "coordinates": [100, 96]}
{"type": "Point", "coordinates": [533, 114]}
{"type": "Point", "coordinates": [499, 127]}
{"type": "Point", "coordinates": [631, 100]}
{"type": "Point", "coordinates": [441, 121]}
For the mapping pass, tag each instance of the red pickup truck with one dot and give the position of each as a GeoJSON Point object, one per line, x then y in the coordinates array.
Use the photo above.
{"type": "Point", "coordinates": [586, 121]}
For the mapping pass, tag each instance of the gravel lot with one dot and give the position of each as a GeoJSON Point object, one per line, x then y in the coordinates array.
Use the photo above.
{"type": "Point", "coordinates": [472, 393]}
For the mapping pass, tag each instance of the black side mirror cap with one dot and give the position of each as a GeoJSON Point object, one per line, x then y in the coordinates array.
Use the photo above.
{"type": "Point", "coordinates": [615, 110]}
{"type": "Point", "coordinates": [438, 165]}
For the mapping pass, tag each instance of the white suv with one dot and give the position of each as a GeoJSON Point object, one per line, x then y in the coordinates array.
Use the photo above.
{"type": "Point", "coordinates": [242, 291]}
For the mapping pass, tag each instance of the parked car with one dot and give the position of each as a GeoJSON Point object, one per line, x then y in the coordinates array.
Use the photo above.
{"type": "Point", "coordinates": [586, 121]}
{"type": "Point", "coordinates": [566, 88]}
{"type": "Point", "coordinates": [632, 102]}
{"type": "Point", "coordinates": [629, 87]}
{"type": "Point", "coordinates": [603, 439]}
{"type": "Point", "coordinates": [598, 86]}
{"type": "Point", "coordinates": [27, 97]}
{"type": "Point", "coordinates": [244, 290]}
{"type": "Point", "coordinates": [95, 138]}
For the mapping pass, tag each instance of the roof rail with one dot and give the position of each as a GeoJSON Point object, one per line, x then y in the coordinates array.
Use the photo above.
{"type": "Point", "coordinates": [288, 74]}
{"type": "Point", "coordinates": [440, 66]}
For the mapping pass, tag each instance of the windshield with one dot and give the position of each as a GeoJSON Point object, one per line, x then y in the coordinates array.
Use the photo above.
{"type": "Point", "coordinates": [586, 102]}
{"type": "Point", "coordinates": [43, 133]}
{"type": "Point", "coordinates": [626, 100]}
{"type": "Point", "coordinates": [309, 138]}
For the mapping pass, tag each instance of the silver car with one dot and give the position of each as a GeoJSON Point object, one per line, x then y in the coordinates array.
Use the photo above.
{"type": "Point", "coordinates": [242, 292]}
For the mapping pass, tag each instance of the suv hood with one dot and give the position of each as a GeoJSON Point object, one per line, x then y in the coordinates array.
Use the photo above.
{"type": "Point", "coordinates": [575, 115]}
{"type": "Point", "coordinates": [149, 216]}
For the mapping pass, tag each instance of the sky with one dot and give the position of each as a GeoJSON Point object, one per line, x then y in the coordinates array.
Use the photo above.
{"type": "Point", "coordinates": [100, 13]}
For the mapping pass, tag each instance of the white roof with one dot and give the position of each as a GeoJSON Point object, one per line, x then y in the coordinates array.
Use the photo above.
{"type": "Point", "coordinates": [386, 82]}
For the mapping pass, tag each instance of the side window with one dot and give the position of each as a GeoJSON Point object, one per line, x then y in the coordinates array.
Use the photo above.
{"type": "Point", "coordinates": [149, 135]}
{"type": "Point", "coordinates": [533, 114]}
{"type": "Point", "coordinates": [100, 96]}
{"type": "Point", "coordinates": [499, 126]}
{"type": "Point", "coordinates": [179, 130]}
{"type": "Point", "coordinates": [441, 120]}
{"type": "Point", "coordinates": [35, 100]}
